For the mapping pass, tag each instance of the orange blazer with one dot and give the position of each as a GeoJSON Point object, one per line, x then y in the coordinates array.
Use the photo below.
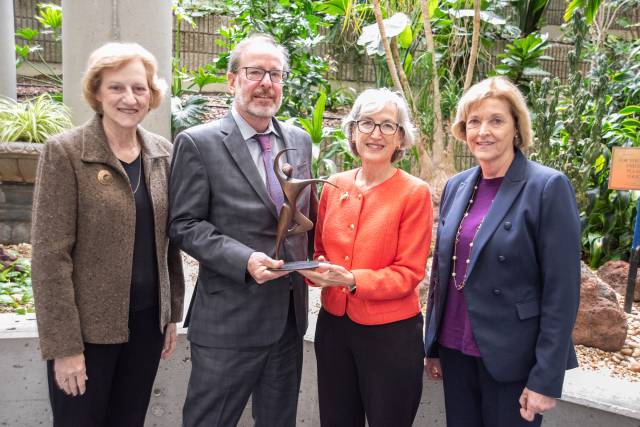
{"type": "Point", "coordinates": [382, 236]}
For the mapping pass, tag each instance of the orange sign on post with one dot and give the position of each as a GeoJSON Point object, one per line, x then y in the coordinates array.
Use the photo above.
{"type": "Point", "coordinates": [625, 169]}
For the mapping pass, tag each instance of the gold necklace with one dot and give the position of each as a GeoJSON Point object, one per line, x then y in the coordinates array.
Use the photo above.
{"type": "Point", "coordinates": [139, 174]}
{"type": "Point", "coordinates": [454, 258]}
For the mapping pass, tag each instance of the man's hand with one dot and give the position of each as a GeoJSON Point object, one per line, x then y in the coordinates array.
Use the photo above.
{"type": "Point", "coordinates": [433, 369]}
{"type": "Point", "coordinates": [169, 341]}
{"type": "Point", "coordinates": [70, 374]}
{"type": "Point", "coordinates": [532, 403]}
{"type": "Point", "coordinates": [258, 266]}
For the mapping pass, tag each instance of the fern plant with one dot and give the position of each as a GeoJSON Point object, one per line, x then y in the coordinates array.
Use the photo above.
{"type": "Point", "coordinates": [35, 120]}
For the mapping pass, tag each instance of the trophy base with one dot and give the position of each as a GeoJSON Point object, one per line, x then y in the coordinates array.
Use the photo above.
{"type": "Point", "coordinates": [297, 265]}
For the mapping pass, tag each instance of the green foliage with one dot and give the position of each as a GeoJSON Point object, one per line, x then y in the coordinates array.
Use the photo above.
{"type": "Point", "coordinates": [313, 124]}
{"type": "Point", "coordinates": [50, 18]}
{"type": "Point", "coordinates": [530, 14]}
{"type": "Point", "coordinates": [607, 220]}
{"type": "Point", "coordinates": [520, 61]}
{"type": "Point", "coordinates": [15, 286]}
{"type": "Point", "coordinates": [577, 125]}
{"type": "Point", "coordinates": [330, 146]}
{"type": "Point", "coordinates": [295, 24]}
{"type": "Point", "coordinates": [204, 76]}
{"type": "Point", "coordinates": [32, 121]}
{"type": "Point", "coordinates": [588, 8]}
{"type": "Point", "coordinates": [187, 111]}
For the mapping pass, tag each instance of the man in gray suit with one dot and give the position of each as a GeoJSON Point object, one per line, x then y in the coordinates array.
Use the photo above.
{"type": "Point", "coordinates": [246, 321]}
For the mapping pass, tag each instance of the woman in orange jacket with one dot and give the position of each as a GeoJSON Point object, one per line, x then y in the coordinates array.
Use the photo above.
{"type": "Point", "coordinates": [372, 235]}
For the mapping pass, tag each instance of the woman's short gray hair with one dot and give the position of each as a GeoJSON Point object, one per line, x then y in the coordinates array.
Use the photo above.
{"type": "Point", "coordinates": [372, 101]}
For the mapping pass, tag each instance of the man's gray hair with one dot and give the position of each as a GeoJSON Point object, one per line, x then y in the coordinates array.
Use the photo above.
{"type": "Point", "coordinates": [236, 53]}
{"type": "Point", "coordinates": [372, 101]}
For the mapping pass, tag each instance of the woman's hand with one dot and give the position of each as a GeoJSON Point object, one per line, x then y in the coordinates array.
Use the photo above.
{"type": "Point", "coordinates": [71, 374]}
{"type": "Point", "coordinates": [169, 341]}
{"type": "Point", "coordinates": [433, 369]}
{"type": "Point", "coordinates": [327, 274]}
{"type": "Point", "coordinates": [532, 403]}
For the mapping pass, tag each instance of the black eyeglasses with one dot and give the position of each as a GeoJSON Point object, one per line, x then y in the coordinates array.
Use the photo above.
{"type": "Point", "coordinates": [386, 128]}
{"type": "Point", "coordinates": [256, 74]}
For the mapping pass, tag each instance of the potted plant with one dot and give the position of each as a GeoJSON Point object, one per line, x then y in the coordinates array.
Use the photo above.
{"type": "Point", "coordinates": [24, 126]}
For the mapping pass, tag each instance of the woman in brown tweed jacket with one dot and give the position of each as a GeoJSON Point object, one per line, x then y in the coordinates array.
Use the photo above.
{"type": "Point", "coordinates": [108, 286]}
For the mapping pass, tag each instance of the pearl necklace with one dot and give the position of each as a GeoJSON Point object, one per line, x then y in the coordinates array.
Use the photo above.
{"type": "Point", "coordinates": [454, 258]}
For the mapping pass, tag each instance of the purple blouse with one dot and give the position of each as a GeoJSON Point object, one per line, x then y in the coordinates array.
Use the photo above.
{"type": "Point", "coordinates": [455, 331]}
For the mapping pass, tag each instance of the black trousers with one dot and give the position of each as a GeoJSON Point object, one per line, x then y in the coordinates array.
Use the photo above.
{"type": "Point", "coordinates": [120, 379]}
{"type": "Point", "coordinates": [474, 399]}
{"type": "Point", "coordinates": [223, 379]}
{"type": "Point", "coordinates": [368, 370]}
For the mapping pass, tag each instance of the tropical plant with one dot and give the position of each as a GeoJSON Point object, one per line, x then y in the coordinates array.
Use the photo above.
{"type": "Point", "coordinates": [530, 14]}
{"type": "Point", "coordinates": [34, 120]}
{"type": "Point", "coordinates": [607, 233]}
{"type": "Point", "coordinates": [520, 61]}
{"type": "Point", "coordinates": [579, 123]}
{"type": "Point", "coordinates": [187, 111]}
{"type": "Point", "coordinates": [50, 18]}
{"type": "Point", "coordinates": [330, 146]}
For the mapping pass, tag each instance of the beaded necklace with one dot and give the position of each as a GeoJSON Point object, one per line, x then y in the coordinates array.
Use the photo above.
{"type": "Point", "coordinates": [454, 258]}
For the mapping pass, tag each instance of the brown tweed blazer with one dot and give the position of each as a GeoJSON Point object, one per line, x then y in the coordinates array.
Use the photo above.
{"type": "Point", "coordinates": [83, 235]}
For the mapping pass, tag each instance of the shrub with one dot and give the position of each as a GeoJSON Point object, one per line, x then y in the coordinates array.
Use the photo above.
{"type": "Point", "coordinates": [32, 121]}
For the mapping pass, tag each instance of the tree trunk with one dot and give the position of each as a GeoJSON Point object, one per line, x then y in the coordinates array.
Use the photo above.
{"type": "Point", "coordinates": [403, 78]}
{"type": "Point", "coordinates": [387, 48]}
{"type": "Point", "coordinates": [436, 168]}
{"type": "Point", "coordinates": [475, 45]}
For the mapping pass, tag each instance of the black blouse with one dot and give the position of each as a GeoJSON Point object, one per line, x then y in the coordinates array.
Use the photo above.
{"type": "Point", "coordinates": [144, 275]}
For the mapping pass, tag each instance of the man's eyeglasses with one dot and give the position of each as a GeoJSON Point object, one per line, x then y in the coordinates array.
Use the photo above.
{"type": "Point", "coordinates": [256, 74]}
{"type": "Point", "coordinates": [368, 126]}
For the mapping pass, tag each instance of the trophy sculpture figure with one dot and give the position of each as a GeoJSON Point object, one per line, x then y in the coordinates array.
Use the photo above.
{"type": "Point", "coordinates": [291, 220]}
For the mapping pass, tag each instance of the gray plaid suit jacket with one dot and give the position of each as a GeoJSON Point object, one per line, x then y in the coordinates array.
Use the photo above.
{"type": "Point", "coordinates": [221, 212]}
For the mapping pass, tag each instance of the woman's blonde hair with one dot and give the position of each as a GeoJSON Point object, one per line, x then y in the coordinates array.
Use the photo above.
{"type": "Point", "coordinates": [112, 56]}
{"type": "Point", "coordinates": [501, 88]}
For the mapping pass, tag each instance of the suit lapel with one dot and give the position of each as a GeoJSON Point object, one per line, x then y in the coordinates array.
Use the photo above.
{"type": "Point", "coordinates": [511, 186]}
{"type": "Point", "coordinates": [290, 157]}
{"type": "Point", "coordinates": [240, 153]}
{"type": "Point", "coordinates": [449, 229]}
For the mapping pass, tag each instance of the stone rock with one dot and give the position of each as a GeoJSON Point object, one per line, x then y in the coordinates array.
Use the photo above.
{"type": "Point", "coordinates": [601, 322]}
{"type": "Point", "coordinates": [615, 273]}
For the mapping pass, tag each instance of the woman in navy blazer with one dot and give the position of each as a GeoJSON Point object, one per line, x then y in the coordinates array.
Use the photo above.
{"type": "Point", "coordinates": [505, 280]}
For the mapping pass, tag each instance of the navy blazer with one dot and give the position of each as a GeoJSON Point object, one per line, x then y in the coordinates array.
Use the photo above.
{"type": "Point", "coordinates": [523, 280]}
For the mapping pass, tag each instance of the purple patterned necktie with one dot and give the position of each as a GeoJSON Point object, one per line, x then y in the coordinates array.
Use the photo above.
{"type": "Point", "coordinates": [275, 191]}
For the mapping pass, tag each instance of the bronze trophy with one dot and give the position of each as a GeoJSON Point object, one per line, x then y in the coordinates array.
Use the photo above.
{"type": "Point", "coordinates": [291, 220]}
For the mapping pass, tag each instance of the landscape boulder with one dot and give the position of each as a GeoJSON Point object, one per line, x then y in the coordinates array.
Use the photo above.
{"type": "Point", "coordinates": [615, 273]}
{"type": "Point", "coordinates": [601, 322]}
